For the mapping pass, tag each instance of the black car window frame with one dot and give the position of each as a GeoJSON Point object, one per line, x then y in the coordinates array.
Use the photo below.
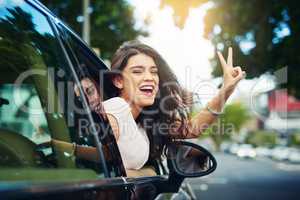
{"type": "Point", "coordinates": [55, 22]}
{"type": "Point", "coordinates": [61, 126]}
{"type": "Point", "coordinates": [99, 146]}
{"type": "Point", "coordinates": [66, 35]}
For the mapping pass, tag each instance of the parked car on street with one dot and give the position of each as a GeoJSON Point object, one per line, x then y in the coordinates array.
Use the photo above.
{"type": "Point", "coordinates": [246, 151]}
{"type": "Point", "coordinates": [41, 63]}
{"type": "Point", "coordinates": [234, 148]}
{"type": "Point", "coordinates": [263, 151]}
{"type": "Point", "coordinates": [281, 153]}
{"type": "Point", "coordinates": [225, 147]}
{"type": "Point", "coordinates": [294, 156]}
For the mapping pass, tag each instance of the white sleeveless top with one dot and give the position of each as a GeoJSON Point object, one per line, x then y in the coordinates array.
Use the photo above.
{"type": "Point", "coordinates": [133, 141]}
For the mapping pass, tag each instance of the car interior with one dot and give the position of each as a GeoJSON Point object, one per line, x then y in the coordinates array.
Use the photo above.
{"type": "Point", "coordinates": [26, 130]}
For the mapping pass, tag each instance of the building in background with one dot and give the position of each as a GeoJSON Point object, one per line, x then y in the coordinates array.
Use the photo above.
{"type": "Point", "coordinates": [284, 112]}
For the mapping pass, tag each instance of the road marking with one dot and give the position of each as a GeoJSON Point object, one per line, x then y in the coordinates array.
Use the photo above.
{"type": "Point", "coordinates": [217, 181]}
{"type": "Point", "coordinates": [288, 167]}
{"type": "Point", "coordinates": [210, 180]}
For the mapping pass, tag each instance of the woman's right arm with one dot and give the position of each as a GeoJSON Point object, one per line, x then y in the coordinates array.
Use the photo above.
{"type": "Point", "coordinates": [87, 152]}
{"type": "Point", "coordinates": [82, 152]}
{"type": "Point", "coordinates": [91, 153]}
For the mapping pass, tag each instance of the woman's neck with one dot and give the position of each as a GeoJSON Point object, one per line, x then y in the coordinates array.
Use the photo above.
{"type": "Point", "coordinates": [135, 110]}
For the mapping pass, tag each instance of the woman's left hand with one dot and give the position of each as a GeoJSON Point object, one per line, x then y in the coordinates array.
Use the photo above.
{"type": "Point", "coordinates": [231, 75]}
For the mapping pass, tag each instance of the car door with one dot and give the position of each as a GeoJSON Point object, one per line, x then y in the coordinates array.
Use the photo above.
{"type": "Point", "coordinates": [35, 85]}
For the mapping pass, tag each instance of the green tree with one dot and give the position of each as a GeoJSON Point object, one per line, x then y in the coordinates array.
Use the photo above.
{"type": "Point", "coordinates": [271, 25]}
{"type": "Point", "coordinates": [262, 138]}
{"type": "Point", "coordinates": [230, 122]}
{"type": "Point", "coordinates": [112, 22]}
{"type": "Point", "coordinates": [294, 139]}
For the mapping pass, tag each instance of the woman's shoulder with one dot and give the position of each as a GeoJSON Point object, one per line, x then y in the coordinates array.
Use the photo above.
{"type": "Point", "coordinates": [115, 105]}
{"type": "Point", "coordinates": [115, 100]}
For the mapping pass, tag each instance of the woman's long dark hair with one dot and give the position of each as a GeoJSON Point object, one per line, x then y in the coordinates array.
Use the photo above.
{"type": "Point", "coordinates": [170, 105]}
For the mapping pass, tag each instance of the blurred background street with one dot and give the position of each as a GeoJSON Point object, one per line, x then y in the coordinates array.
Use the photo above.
{"type": "Point", "coordinates": [249, 179]}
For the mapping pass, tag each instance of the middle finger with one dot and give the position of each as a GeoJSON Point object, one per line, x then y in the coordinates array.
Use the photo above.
{"type": "Point", "coordinates": [229, 57]}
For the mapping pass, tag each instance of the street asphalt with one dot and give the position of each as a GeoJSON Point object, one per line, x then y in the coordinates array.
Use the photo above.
{"type": "Point", "coordinates": [248, 179]}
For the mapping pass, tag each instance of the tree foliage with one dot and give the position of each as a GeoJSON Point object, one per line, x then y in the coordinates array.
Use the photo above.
{"type": "Point", "coordinates": [272, 25]}
{"type": "Point", "coordinates": [230, 122]}
{"type": "Point", "coordinates": [112, 22]}
{"type": "Point", "coordinates": [235, 114]}
{"type": "Point", "coordinates": [262, 138]}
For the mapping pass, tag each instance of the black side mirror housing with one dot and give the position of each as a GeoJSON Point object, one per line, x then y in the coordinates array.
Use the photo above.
{"type": "Point", "coordinates": [190, 160]}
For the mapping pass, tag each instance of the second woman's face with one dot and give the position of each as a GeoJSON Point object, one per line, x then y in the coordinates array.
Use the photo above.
{"type": "Point", "coordinates": [139, 81]}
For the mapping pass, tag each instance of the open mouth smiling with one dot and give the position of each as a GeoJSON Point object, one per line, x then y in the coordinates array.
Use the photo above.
{"type": "Point", "coordinates": [147, 90]}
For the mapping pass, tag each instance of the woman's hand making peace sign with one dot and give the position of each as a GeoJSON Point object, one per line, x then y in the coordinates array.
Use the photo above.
{"type": "Point", "coordinates": [231, 75]}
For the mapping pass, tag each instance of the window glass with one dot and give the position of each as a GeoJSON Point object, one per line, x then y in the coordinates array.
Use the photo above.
{"type": "Point", "coordinates": [34, 101]}
{"type": "Point", "coordinates": [92, 73]}
{"type": "Point", "coordinates": [21, 112]}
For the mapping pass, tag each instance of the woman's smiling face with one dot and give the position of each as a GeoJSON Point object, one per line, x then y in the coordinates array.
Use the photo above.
{"type": "Point", "coordinates": [139, 81]}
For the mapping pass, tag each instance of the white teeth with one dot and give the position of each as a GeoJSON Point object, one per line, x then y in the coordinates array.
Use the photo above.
{"type": "Point", "coordinates": [147, 87]}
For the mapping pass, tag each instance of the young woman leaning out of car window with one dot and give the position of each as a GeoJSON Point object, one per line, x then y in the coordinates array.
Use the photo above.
{"type": "Point", "coordinates": [148, 107]}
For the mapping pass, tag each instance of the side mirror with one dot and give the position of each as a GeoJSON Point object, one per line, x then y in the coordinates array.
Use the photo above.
{"type": "Point", "coordinates": [190, 160]}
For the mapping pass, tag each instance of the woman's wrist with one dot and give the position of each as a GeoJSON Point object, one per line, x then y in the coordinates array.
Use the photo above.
{"type": "Point", "coordinates": [212, 111]}
{"type": "Point", "coordinates": [215, 106]}
{"type": "Point", "coordinates": [73, 151]}
{"type": "Point", "coordinates": [69, 149]}
{"type": "Point", "coordinates": [224, 94]}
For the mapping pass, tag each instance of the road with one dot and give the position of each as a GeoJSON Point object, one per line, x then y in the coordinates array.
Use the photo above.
{"type": "Point", "coordinates": [245, 179]}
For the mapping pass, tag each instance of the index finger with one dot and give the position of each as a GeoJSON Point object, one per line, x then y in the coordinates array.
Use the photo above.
{"type": "Point", "coordinates": [222, 60]}
{"type": "Point", "coordinates": [229, 57]}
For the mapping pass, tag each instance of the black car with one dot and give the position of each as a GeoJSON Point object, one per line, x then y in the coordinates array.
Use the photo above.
{"type": "Point", "coordinates": [41, 63]}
